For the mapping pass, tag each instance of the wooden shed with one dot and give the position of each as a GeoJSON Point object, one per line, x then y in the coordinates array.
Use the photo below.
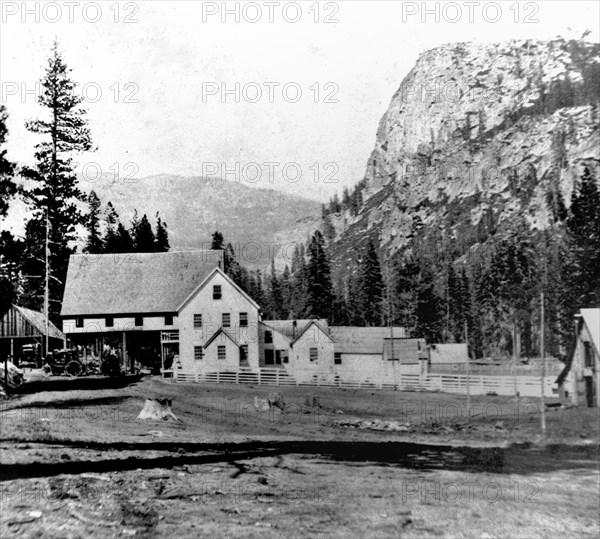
{"type": "Point", "coordinates": [22, 329]}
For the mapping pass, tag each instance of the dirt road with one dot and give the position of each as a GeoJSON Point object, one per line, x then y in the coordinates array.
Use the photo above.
{"type": "Point", "coordinates": [77, 462]}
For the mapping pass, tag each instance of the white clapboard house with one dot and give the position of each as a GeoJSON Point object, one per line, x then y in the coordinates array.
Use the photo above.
{"type": "Point", "coordinates": [179, 306]}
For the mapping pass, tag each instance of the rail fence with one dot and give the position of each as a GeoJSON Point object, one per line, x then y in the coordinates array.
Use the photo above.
{"type": "Point", "coordinates": [525, 386]}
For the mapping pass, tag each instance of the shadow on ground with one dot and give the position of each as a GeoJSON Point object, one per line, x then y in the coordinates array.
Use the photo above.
{"type": "Point", "coordinates": [516, 459]}
{"type": "Point", "coordinates": [60, 383]}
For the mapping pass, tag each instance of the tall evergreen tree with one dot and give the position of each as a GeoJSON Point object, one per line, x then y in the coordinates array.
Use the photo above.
{"type": "Point", "coordinates": [320, 293]}
{"type": "Point", "coordinates": [218, 242]}
{"type": "Point", "coordinates": [95, 243]}
{"type": "Point", "coordinates": [299, 300]}
{"type": "Point", "coordinates": [582, 256]}
{"type": "Point", "coordinates": [110, 235]}
{"type": "Point", "coordinates": [54, 198]}
{"type": "Point", "coordinates": [274, 302]}
{"type": "Point", "coordinates": [143, 237]}
{"type": "Point", "coordinates": [286, 292]}
{"type": "Point", "coordinates": [161, 244]}
{"type": "Point", "coordinates": [7, 186]}
{"type": "Point", "coordinates": [371, 287]}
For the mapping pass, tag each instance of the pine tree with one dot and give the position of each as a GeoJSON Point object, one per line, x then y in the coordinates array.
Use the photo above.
{"type": "Point", "coordinates": [95, 243]}
{"type": "Point", "coordinates": [110, 236]}
{"type": "Point", "coordinates": [232, 266]}
{"type": "Point", "coordinates": [274, 303]}
{"type": "Point", "coordinates": [7, 186]}
{"type": "Point", "coordinates": [12, 251]}
{"type": "Point", "coordinates": [286, 292]}
{"type": "Point", "coordinates": [54, 197]}
{"type": "Point", "coordinates": [328, 228]}
{"type": "Point", "coordinates": [259, 294]}
{"type": "Point", "coordinates": [218, 242]}
{"type": "Point", "coordinates": [124, 243]}
{"type": "Point", "coordinates": [299, 301]}
{"type": "Point", "coordinates": [143, 237]}
{"type": "Point", "coordinates": [339, 314]}
{"type": "Point", "coordinates": [319, 289]}
{"type": "Point", "coordinates": [354, 313]}
{"type": "Point", "coordinates": [371, 287]}
{"type": "Point", "coordinates": [427, 309]}
{"type": "Point", "coordinates": [162, 236]}
{"type": "Point", "coordinates": [582, 249]}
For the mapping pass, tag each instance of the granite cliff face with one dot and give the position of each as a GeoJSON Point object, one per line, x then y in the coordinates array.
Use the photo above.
{"type": "Point", "coordinates": [475, 136]}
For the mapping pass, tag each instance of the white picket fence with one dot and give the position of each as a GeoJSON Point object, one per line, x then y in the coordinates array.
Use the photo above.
{"type": "Point", "coordinates": [526, 386]}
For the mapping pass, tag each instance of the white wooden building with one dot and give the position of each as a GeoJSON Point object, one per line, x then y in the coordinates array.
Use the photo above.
{"type": "Point", "coordinates": [178, 306]}
{"type": "Point", "coordinates": [580, 379]}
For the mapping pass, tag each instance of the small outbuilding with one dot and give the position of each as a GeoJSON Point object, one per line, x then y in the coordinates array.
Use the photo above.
{"type": "Point", "coordinates": [580, 379]}
{"type": "Point", "coordinates": [22, 336]}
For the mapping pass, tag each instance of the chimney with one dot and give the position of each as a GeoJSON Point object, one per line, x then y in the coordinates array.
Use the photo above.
{"type": "Point", "coordinates": [294, 326]}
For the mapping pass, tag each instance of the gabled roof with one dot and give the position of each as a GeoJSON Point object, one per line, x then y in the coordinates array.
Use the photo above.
{"type": "Point", "coordinates": [448, 353]}
{"type": "Point", "coordinates": [407, 351]}
{"type": "Point", "coordinates": [134, 282]}
{"type": "Point", "coordinates": [318, 325]}
{"type": "Point", "coordinates": [37, 320]}
{"type": "Point", "coordinates": [287, 329]}
{"type": "Point", "coordinates": [221, 331]}
{"type": "Point", "coordinates": [361, 340]}
{"type": "Point", "coordinates": [207, 279]}
{"type": "Point", "coordinates": [591, 317]}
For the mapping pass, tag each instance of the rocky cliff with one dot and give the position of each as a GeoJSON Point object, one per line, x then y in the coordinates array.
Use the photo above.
{"type": "Point", "coordinates": [475, 136]}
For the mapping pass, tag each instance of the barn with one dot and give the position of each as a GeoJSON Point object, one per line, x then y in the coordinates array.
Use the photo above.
{"type": "Point", "coordinates": [22, 336]}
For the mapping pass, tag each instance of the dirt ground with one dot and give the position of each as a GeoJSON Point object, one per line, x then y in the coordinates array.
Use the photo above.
{"type": "Point", "coordinates": [75, 462]}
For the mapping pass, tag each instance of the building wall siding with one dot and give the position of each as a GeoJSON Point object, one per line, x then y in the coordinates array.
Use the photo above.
{"type": "Point", "coordinates": [120, 324]}
{"type": "Point", "coordinates": [233, 302]}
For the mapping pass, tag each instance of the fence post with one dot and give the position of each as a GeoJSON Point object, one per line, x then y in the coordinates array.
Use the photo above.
{"type": "Point", "coordinates": [277, 377]}
{"type": "Point", "coordinates": [259, 376]}
{"type": "Point", "coordinates": [237, 376]}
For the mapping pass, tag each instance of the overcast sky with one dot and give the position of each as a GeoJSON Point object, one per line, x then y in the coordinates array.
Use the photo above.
{"type": "Point", "coordinates": [154, 84]}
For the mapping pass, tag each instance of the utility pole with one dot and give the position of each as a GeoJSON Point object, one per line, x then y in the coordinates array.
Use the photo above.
{"type": "Point", "coordinates": [391, 323]}
{"type": "Point", "coordinates": [542, 347]}
{"type": "Point", "coordinates": [47, 285]}
{"type": "Point", "coordinates": [466, 330]}
{"type": "Point", "coordinates": [515, 360]}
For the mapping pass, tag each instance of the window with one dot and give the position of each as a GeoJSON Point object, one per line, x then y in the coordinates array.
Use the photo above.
{"type": "Point", "coordinates": [198, 353]}
{"type": "Point", "coordinates": [337, 358]}
{"type": "Point", "coordinates": [285, 357]}
{"type": "Point", "coordinates": [222, 352]}
{"type": "Point", "coordinates": [226, 320]}
{"type": "Point", "coordinates": [243, 320]}
{"type": "Point", "coordinates": [587, 354]}
{"type": "Point", "coordinates": [79, 321]}
{"type": "Point", "coordinates": [169, 320]}
{"type": "Point", "coordinates": [139, 320]}
{"type": "Point", "coordinates": [278, 357]}
{"type": "Point", "coordinates": [197, 321]}
{"type": "Point", "coordinates": [217, 291]}
{"type": "Point", "coordinates": [268, 337]}
{"type": "Point", "coordinates": [109, 322]}
{"type": "Point", "coordinates": [244, 352]}
{"type": "Point", "coordinates": [269, 358]}
{"type": "Point", "coordinates": [314, 354]}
